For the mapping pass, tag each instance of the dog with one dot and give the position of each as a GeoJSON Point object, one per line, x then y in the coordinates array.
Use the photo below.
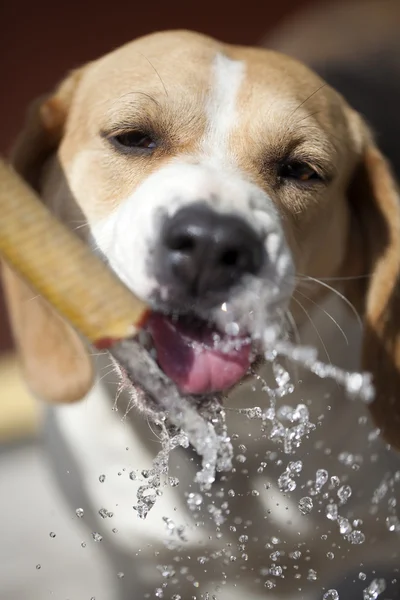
{"type": "Point", "coordinates": [207, 174]}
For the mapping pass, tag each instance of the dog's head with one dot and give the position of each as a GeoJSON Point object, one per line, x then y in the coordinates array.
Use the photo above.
{"type": "Point", "coordinates": [212, 178]}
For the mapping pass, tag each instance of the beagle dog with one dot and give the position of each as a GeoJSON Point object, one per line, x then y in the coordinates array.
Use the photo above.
{"type": "Point", "coordinates": [204, 174]}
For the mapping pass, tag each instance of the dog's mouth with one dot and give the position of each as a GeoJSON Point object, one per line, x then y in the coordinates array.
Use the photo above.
{"type": "Point", "coordinates": [195, 354]}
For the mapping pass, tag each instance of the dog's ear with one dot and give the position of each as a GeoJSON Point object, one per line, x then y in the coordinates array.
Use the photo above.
{"type": "Point", "coordinates": [55, 361]}
{"type": "Point", "coordinates": [375, 244]}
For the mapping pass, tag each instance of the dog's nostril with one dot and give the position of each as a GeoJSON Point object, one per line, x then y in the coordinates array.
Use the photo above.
{"type": "Point", "coordinates": [230, 257]}
{"type": "Point", "coordinates": [182, 242]}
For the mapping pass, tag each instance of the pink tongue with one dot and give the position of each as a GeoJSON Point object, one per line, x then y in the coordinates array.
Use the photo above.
{"type": "Point", "coordinates": [186, 355]}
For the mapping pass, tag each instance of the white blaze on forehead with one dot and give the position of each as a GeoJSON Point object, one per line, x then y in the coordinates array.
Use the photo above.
{"type": "Point", "coordinates": [221, 108]}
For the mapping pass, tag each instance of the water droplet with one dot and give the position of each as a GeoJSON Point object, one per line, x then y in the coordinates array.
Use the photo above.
{"type": "Point", "coordinates": [344, 525]}
{"type": "Point", "coordinates": [83, 544]}
{"type": "Point", "coordinates": [286, 483]}
{"type": "Point", "coordinates": [331, 595]}
{"type": "Point", "coordinates": [375, 588]}
{"type": "Point", "coordinates": [52, 534]}
{"type": "Point", "coordinates": [321, 477]}
{"type": "Point", "coordinates": [362, 576]}
{"type": "Point", "coordinates": [120, 575]}
{"type": "Point", "coordinates": [241, 458]}
{"type": "Point", "coordinates": [335, 481]}
{"type": "Point", "coordinates": [173, 481]}
{"type": "Point", "coordinates": [344, 493]}
{"type": "Point", "coordinates": [330, 555]}
{"type": "Point", "coordinates": [38, 567]}
{"type": "Point", "coordinates": [97, 537]}
{"type": "Point", "coordinates": [243, 539]}
{"type": "Point", "coordinates": [356, 537]}
{"type": "Point", "coordinates": [312, 575]}
{"type": "Point", "coordinates": [132, 475]}
{"type": "Point", "coordinates": [295, 467]}
{"type": "Point", "coordinates": [275, 540]}
{"type": "Point", "coordinates": [305, 505]}
{"type": "Point", "coordinates": [331, 512]}
{"type": "Point", "coordinates": [232, 329]}
{"type": "Point", "coordinates": [166, 571]}
{"type": "Point", "coordinates": [231, 493]}
{"type": "Point", "coordinates": [194, 501]}
{"type": "Point", "coordinates": [393, 523]}
{"type": "Point", "coordinates": [276, 570]}
{"type": "Point", "coordinates": [103, 512]}
{"type": "Point", "coordinates": [159, 593]}
{"type": "Point", "coordinates": [79, 513]}
{"type": "Point", "coordinates": [255, 493]}
{"type": "Point", "coordinates": [269, 584]}
{"type": "Point", "coordinates": [102, 478]}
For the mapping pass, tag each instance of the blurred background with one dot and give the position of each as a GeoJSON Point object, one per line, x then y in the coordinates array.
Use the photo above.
{"type": "Point", "coordinates": [354, 44]}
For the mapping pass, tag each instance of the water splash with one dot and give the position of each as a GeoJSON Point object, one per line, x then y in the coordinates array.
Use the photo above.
{"type": "Point", "coordinates": [357, 385]}
{"type": "Point", "coordinates": [375, 589]}
{"type": "Point", "coordinates": [331, 595]}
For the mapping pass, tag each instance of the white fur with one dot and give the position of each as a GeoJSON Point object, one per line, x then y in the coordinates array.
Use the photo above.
{"type": "Point", "coordinates": [127, 237]}
{"type": "Point", "coordinates": [226, 80]}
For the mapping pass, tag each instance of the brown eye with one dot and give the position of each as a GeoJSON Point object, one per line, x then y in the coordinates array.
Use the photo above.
{"type": "Point", "coordinates": [298, 171]}
{"type": "Point", "coordinates": [134, 140]}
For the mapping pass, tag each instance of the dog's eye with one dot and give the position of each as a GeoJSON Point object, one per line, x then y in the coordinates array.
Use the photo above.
{"type": "Point", "coordinates": [134, 139]}
{"type": "Point", "coordinates": [298, 171]}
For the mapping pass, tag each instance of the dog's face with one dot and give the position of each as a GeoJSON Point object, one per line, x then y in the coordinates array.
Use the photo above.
{"type": "Point", "coordinates": [200, 185]}
{"type": "Point", "coordinates": [212, 178]}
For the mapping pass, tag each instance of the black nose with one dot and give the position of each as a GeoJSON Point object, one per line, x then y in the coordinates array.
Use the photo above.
{"type": "Point", "coordinates": [203, 251]}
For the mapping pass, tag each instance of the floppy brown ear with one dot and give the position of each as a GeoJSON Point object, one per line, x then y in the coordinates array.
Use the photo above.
{"type": "Point", "coordinates": [55, 360]}
{"type": "Point", "coordinates": [375, 204]}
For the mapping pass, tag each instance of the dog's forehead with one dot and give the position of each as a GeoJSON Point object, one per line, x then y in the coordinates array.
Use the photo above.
{"type": "Point", "coordinates": [174, 67]}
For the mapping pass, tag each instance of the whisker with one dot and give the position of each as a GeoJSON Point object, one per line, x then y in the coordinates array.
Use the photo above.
{"type": "Point", "coordinates": [308, 98]}
{"type": "Point", "coordinates": [309, 116]}
{"type": "Point", "coordinates": [156, 72]}
{"type": "Point", "coordinates": [347, 278]}
{"type": "Point", "coordinates": [130, 406]}
{"type": "Point", "coordinates": [296, 333]}
{"type": "Point", "coordinates": [315, 328]}
{"type": "Point", "coordinates": [341, 296]}
{"type": "Point", "coordinates": [157, 435]}
{"type": "Point", "coordinates": [113, 370]}
{"type": "Point", "coordinates": [148, 96]}
{"type": "Point", "coordinates": [326, 313]}
{"type": "Point", "coordinates": [117, 396]}
{"type": "Point", "coordinates": [294, 327]}
{"type": "Point", "coordinates": [81, 226]}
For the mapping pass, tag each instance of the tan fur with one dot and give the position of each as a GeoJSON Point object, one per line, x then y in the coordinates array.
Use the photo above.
{"type": "Point", "coordinates": [375, 200]}
{"type": "Point", "coordinates": [162, 79]}
{"type": "Point", "coordinates": [55, 361]}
